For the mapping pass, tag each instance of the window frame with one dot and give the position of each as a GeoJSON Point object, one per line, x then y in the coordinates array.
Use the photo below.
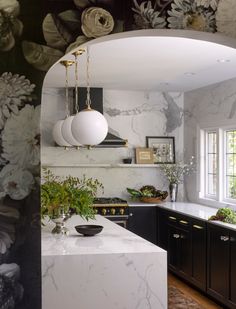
{"type": "Point", "coordinates": [220, 198]}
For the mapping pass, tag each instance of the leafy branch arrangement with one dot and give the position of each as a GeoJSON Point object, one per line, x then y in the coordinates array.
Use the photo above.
{"type": "Point", "coordinates": [175, 172]}
{"type": "Point", "coordinates": [70, 194]}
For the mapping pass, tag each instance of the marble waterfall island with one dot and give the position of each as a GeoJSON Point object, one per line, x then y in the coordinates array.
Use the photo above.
{"type": "Point", "coordinates": [115, 269]}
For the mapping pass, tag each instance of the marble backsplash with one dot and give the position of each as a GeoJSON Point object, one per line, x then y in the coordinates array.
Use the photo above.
{"type": "Point", "coordinates": [131, 115]}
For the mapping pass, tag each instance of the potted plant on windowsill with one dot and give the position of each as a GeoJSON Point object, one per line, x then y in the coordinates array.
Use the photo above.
{"type": "Point", "coordinates": [62, 197]}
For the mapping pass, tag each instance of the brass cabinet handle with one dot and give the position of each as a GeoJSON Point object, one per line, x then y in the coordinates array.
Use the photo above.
{"type": "Point", "coordinates": [183, 222]}
{"type": "Point", "coordinates": [198, 227]}
{"type": "Point", "coordinates": [172, 218]}
{"type": "Point", "coordinates": [224, 238]}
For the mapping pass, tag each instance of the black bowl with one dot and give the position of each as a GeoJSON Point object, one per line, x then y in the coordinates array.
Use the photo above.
{"type": "Point", "coordinates": [127, 160]}
{"type": "Point", "coordinates": [89, 230]}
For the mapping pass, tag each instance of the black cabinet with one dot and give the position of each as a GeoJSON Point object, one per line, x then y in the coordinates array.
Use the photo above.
{"type": "Point", "coordinates": [232, 296]}
{"type": "Point", "coordinates": [222, 264]}
{"type": "Point", "coordinates": [185, 240]}
{"type": "Point", "coordinates": [199, 253]}
{"type": "Point", "coordinates": [143, 222]}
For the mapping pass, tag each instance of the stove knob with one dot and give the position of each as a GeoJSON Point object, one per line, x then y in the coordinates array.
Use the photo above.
{"type": "Point", "coordinates": [122, 211]}
{"type": "Point", "coordinates": [104, 211]}
{"type": "Point", "coordinates": [113, 211]}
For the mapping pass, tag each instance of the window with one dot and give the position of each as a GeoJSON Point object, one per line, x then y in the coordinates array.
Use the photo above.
{"type": "Point", "coordinates": [211, 158]}
{"type": "Point", "coordinates": [218, 164]}
{"type": "Point", "coordinates": [230, 157]}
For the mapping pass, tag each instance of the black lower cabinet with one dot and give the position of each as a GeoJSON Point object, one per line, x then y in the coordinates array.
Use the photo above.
{"type": "Point", "coordinates": [185, 240]}
{"type": "Point", "coordinates": [199, 253]}
{"type": "Point", "coordinates": [218, 262]}
{"type": "Point", "coordinates": [232, 297]}
{"type": "Point", "coordinates": [222, 265]}
{"type": "Point", "coordinates": [143, 222]}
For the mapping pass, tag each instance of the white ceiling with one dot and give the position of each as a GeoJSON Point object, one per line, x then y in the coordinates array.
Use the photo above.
{"type": "Point", "coordinates": [163, 60]}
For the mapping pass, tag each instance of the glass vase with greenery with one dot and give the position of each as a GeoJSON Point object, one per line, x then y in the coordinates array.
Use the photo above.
{"type": "Point", "coordinates": [61, 197]}
{"type": "Point", "coordinates": [175, 174]}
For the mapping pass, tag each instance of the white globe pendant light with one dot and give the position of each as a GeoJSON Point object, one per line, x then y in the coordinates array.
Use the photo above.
{"type": "Point", "coordinates": [66, 132]}
{"type": "Point", "coordinates": [57, 134]}
{"type": "Point", "coordinates": [89, 127]}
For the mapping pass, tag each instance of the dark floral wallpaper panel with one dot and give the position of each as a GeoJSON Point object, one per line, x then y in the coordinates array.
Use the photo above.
{"type": "Point", "coordinates": [33, 36]}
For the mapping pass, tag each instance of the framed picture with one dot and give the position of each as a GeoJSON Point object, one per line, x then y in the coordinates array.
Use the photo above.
{"type": "Point", "coordinates": [144, 156]}
{"type": "Point", "coordinates": [163, 148]}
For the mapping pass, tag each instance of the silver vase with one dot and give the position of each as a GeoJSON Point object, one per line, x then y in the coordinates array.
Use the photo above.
{"type": "Point", "coordinates": [60, 218]}
{"type": "Point", "coordinates": [173, 187]}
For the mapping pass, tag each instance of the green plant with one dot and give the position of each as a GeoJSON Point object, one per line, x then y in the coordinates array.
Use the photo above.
{"type": "Point", "coordinates": [70, 194]}
{"type": "Point", "coordinates": [147, 191]}
{"type": "Point", "coordinates": [225, 215]}
{"type": "Point", "coordinates": [175, 172]}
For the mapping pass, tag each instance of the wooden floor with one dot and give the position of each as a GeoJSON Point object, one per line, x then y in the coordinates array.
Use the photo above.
{"type": "Point", "coordinates": [189, 291]}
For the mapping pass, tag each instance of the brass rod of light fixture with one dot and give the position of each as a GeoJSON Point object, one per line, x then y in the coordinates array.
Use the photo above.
{"type": "Point", "coordinates": [67, 64]}
{"type": "Point", "coordinates": [88, 100]}
{"type": "Point", "coordinates": [77, 53]}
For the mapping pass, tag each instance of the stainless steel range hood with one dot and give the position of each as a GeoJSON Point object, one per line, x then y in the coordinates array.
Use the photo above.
{"type": "Point", "coordinates": [111, 140]}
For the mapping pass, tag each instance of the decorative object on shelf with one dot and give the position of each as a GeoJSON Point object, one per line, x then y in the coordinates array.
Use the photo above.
{"type": "Point", "coordinates": [66, 126]}
{"type": "Point", "coordinates": [163, 148]}
{"type": "Point", "coordinates": [225, 215]}
{"type": "Point", "coordinates": [127, 160]}
{"type": "Point", "coordinates": [148, 194]}
{"type": "Point", "coordinates": [144, 156]}
{"type": "Point", "coordinates": [58, 137]}
{"type": "Point", "coordinates": [175, 174]}
{"type": "Point", "coordinates": [89, 229]}
{"type": "Point", "coordinates": [89, 127]}
{"type": "Point", "coordinates": [62, 197]}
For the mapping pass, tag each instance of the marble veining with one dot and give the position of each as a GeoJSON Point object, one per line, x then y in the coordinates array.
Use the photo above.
{"type": "Point", "coordinates": [115, 269]}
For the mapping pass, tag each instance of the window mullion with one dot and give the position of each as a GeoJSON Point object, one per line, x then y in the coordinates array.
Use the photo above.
{"type": "Point", "coordinates": [221, 165]}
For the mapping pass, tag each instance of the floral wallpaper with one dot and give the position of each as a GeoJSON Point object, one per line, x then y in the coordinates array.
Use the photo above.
{"type": "Point", "coordinates": [33, 36]}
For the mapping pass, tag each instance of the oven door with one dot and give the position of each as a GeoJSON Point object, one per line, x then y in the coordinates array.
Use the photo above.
{"type": "Point", "coordinates": [120, 220]}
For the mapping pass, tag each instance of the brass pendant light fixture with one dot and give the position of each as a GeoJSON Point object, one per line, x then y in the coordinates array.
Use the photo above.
{"type": "Point", "coordinates": [66, 126]}
{"type": "Point", "coordinates": [57, 129]}
{"type": "Point", "coordinates": [89, 127]}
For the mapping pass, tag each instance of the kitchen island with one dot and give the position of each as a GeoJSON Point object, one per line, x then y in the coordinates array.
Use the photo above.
{"type": "Point", "coordinates": [114, 269]}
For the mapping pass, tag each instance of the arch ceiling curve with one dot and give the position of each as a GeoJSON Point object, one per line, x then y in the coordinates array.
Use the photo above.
{"type": "Point", "coordinates": [162, 60]}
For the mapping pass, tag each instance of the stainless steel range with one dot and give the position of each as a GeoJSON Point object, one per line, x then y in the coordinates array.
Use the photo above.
{"type": "Point", "coordinates": [114, 209]}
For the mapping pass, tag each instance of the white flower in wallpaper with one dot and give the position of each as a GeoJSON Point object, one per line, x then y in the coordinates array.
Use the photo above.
{"type": "Point", "coordinates": [5, 242]}
{"type": "Point", "coordinates": [15, 182]}
{"type": "Point", "coordinates": [146, 17]}
{"type": "Point", "coordinates": [208, 3]}
{"type": "Point", "coordinates": [226, 17]}
{"type": "Point", "coordinates": [21, 137]}
{"type": "Point", "coordinates": [14, 91]}
{"type": "Point", "coordinates": [187, 15]}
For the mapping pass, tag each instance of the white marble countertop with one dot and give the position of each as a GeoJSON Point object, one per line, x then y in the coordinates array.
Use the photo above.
{"type": "Point", "coordinates": [112, 239]}
{"type": "Point", "coordinates": [191, 209]}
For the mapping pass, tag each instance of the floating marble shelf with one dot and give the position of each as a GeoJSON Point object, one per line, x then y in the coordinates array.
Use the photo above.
{"type": "Point", "coordinates": [100, 165]}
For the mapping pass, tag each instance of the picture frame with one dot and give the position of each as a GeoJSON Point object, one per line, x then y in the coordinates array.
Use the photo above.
{"type": "Point", "coordinates": [144, 155]}
{"type": "Point", "coordinates": [163, 148]}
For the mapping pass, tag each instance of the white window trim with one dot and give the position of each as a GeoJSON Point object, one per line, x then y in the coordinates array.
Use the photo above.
{"type": "Point", "coordinates": [219, 200]}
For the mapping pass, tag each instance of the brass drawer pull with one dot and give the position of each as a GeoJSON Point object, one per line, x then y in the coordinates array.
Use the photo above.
{"type": "Point", "coordinates": [183, 222]}
{"type": "Point", "coordinates": [198, 227]}
{"type": "Point", "coordinates": [172, 218]}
